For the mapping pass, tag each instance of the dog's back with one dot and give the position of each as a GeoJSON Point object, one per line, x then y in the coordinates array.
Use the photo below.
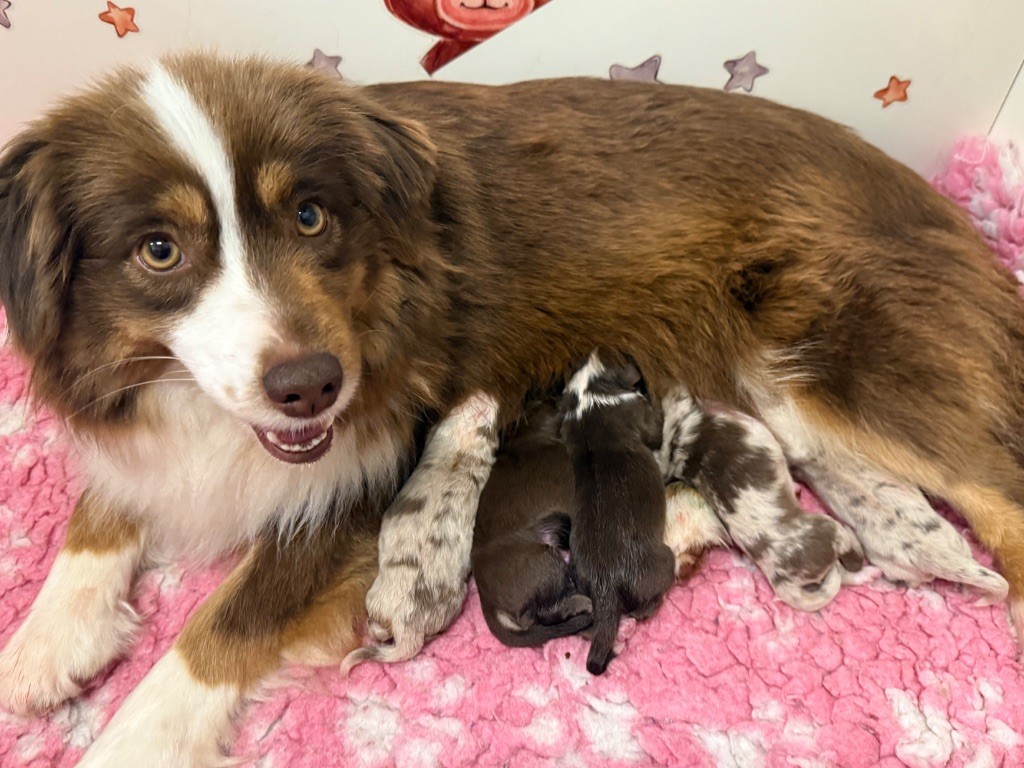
{"type": "Point", "coordinates": [617, 539]}
{"type": "Point", "coordinates": [523, 521]}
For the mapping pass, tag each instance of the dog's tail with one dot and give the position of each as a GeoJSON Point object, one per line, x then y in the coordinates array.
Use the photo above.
{"type": "Point", "coordinates": [606, 628]}
{"type": "Point", "coordinates": [403, 648]}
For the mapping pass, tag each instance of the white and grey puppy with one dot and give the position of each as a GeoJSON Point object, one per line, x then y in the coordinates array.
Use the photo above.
{"type": "Point", "coordinates": [902, 534]}
{"type": "Point", "coordinates": [736, 464]}
{"type": "Point", "coordinates": [426, 536]}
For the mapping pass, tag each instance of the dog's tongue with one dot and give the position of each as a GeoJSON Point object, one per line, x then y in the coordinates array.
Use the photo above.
{"type": "Point", "coordinates": [296, 447]}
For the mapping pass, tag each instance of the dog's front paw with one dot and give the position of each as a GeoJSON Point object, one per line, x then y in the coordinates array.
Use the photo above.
{"type": "Point", "coordinates": [33, 677]}
{"type": "Point", "coordinates": [76, 626]}
{"type": "Point", "coordinates": [171, 720]}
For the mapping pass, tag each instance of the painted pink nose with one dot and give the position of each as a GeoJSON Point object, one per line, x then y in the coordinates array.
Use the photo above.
{"type": "Point", "coordinates": [305, 387]}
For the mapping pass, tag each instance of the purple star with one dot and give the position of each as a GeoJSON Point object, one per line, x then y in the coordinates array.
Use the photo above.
{"type": "Point", "coordinates": [642, 73]}
{"type": "Point", "coordinates": [4, 21]}
{"type": "Point", "coordinates": [743, 72]}
{"type": "Point", "coordinates": [322, 61]}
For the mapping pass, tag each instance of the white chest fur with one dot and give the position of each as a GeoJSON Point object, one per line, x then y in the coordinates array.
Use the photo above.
{"type": "Point", "coordinates": [202, 483]}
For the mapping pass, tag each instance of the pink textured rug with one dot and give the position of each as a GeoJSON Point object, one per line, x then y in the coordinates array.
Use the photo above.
{"type": "Point", "coordinates": [724, 675]}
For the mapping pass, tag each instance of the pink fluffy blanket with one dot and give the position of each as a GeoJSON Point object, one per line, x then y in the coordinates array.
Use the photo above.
{"type": "Point", "coordinates": [723, 675]}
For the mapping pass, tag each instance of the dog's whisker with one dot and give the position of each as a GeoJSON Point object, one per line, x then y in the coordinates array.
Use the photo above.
{"type": "Point", "coordinates": [123, 361]}
{"type": "Point", "coordinates": [117, 391]}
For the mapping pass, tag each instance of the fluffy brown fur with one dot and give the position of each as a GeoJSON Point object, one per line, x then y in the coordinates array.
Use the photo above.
{"type": "Point", "coordinates": [484, 238]}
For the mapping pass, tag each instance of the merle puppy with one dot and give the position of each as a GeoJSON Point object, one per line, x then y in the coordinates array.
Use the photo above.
{"type": "Point", "coordinates": [736, 464]}
{"type": "Point", "coordinates": [523, 521]}
{"type": "Point", "coordinates": [617, 541]}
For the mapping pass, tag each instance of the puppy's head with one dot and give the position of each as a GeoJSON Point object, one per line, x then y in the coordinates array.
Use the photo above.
{"type": "Point", "coordinates": [237, 223]}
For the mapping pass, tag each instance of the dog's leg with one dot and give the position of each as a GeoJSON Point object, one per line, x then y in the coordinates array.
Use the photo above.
{"type": "Point", "coordinates": [298, 599]}
{"type": "Point", "coordinates": [427, 535]}
{"type": "Point", "coordinates": [81, 619]}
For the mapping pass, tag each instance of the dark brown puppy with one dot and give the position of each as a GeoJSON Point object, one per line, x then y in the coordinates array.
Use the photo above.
{"type": "Point", "coordinates": [526, 587]}
{"type": "Point", "coordinates": [618, 534]}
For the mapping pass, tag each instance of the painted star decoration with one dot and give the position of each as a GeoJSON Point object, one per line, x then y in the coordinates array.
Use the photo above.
{"type": "Point", "coordinates": [4, 21]}
{"type": "Point", "coordinates": [743, 72]}
{"type": "Point", "coordinates": [122, 19]}
{"type": "Point", "coordinates": [322, 61]}
{"type": "Point", "coordinates": [642, 73]}
{"type": "Point", "coordinates": [895, 91]}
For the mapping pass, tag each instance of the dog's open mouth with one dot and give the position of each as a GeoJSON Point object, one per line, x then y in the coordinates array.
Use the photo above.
{"type": "Point", "coordinates": [297, 447]}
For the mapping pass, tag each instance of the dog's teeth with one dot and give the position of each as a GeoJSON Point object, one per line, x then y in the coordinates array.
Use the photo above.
{"type": "Point", "coordinates": [296, 447]}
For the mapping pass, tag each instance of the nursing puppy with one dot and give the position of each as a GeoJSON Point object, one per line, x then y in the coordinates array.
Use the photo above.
{"type": "Point", "coordinates": [611, 431]}
{"type": "Point", "coordinates": [901, 532]}
{"type": "Point", "coordinates": [737, 465]}
{"type": "Point", "coordinates": [373, 258]}
{"type": "Point", "coordinates": [523, 524]}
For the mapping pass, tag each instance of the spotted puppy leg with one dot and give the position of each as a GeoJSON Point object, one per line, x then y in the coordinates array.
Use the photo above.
{"type": "Point", "coordinates": [902, 534]}
{"type": "Point", "coordinates": [691, 527]}
{"type": "Point", "coordinates": [734, 462]}
{"type": "Point", "coordinates": [426, 536]}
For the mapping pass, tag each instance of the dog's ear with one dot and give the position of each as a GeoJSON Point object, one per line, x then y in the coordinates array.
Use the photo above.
{"type": "Point", "coordinates": [35, 245]}
{"type": "Point", "coordinates": [405, 163]}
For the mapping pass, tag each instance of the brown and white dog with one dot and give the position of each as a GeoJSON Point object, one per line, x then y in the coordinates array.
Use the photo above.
{"type": "Point", "coordinates": [222, 271]}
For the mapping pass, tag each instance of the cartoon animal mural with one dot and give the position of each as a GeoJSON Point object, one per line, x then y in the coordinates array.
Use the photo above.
{"type": "Point", "coordinates": [461, 24]}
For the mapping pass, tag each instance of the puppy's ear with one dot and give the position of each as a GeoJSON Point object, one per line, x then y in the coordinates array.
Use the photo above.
{"type": "Point", "coordinates": [406, 164]}
{"type": "Point", "coordinates": [35, 245]}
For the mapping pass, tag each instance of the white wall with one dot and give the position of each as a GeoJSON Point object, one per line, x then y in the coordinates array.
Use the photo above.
{"type": "Point", "coordinates": [1009, 124]}
{"type": "Point", "coordinates": [824, 55]}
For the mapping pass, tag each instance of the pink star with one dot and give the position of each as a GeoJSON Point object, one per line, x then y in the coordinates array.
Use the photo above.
{"type": "Point", "coordinates": [643, 73]}
{"type": "Point", "coordinates": [743, 72]}
{"type": "Point", "coordinates": [4, 21]}
{"type": "Point", "coordinates": [325, 63]}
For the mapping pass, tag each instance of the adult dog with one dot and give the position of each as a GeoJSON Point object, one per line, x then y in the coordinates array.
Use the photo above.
{"type": "Point", "coordinates": [305, 269]}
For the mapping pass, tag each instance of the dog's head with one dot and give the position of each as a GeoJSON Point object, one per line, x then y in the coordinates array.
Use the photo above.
{"type": "Point", "coordinates": [241, 223]}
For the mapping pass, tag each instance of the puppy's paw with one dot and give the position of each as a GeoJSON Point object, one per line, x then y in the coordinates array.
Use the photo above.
{"type": "Point", "coordinates": [78, 624]}
{"type": "Point", "coordinates": [865, 575]}
{"type": "Point", "coordinates": [691, 528]}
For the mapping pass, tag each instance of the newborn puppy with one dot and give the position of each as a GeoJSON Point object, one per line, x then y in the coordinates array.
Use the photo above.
{"type": "Point", "coordinates": [526, 589]}
{"type": "Point", "coordinates": [617, 541]}
{"type": "Point", "coordinates": [902, 534]}
{"type": "Point", "coordinates": [736, 464]}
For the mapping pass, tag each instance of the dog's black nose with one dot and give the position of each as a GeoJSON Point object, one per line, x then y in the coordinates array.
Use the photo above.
{"type": "Point", "coordinates": [305, 387]}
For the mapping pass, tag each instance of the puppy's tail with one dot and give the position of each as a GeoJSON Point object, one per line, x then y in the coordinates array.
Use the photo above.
{"type": "Point", "coordinates": [403, 649]}
{"type": "Point", "coordinates": [606, 628]}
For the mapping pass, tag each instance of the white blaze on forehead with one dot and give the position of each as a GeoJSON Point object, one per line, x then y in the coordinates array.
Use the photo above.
{"type": "Point", "coordinates": [192, 134]}
{"type": "Point", "coordinates": [223, 338]}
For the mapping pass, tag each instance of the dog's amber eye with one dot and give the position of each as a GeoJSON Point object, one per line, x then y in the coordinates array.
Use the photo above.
{"type": "Point", "coordinates": [159, 253]}
{"type": "Point", "coordinates": [312, 219]}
